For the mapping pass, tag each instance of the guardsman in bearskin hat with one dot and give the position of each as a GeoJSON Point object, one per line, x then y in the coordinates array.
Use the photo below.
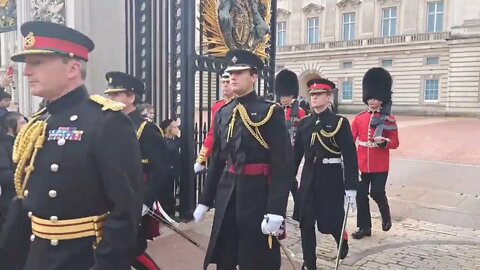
{"type": "Point", "coordinates": [325, 139]}
{"type": "Point", "coordinates": [206, 150]}
{"type": "Point", "coordinates": [129, 90]}
{"type": "Point", "coordinates": [249, 176]}
{"type": "Point", "coordinates": [286, 88]}
{"type": "Point", "coordinates": [78, 177]}
{"type": "Point", "coordinates": [376, 132]}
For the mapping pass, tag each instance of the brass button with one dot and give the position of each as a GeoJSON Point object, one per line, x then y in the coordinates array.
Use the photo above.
{"type": "Point", "coordinates": [53, 219]}
{"type": "Point", "coordinates": [54, 242]}
{"type": "Point", "coordinates": [25, 193]}
{"type": "Point", "coordinates": [52, 193]}
{"type": "Point", "coordinates": [30, 214]}
{"type": "Point", "coordinates": [73, 117]}
{"type": "Point", "coordinates": [32, 237]}
{"type": "Point", "coordinates": [54, 167]}
{"type": "Point", "coordinates": [61, 142]}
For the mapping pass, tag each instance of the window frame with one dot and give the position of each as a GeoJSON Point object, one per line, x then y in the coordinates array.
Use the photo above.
{"type": "Point", "coordinates": [342, 90]}
{"type": "Point", "coordinates": [284, 31]}
{"type": "Point", "coordinates": [316, 32]}
{"type": "Point", "coordinates": [435, 14]}
{"type": "Point", "coordinates": [351, 24]}
{"type": "Point", "coordinates": [389, 19]}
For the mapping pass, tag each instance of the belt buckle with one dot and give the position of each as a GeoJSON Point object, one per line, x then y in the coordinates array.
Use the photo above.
{"type": "Point", "coordinates": [369, 144]}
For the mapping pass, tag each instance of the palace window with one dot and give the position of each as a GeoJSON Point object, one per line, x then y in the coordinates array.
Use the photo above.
{"type": "Point", "coordinates": [389, 22]}
{"type": "Point", "coordinates": [313, 30]}
{"type": "Point", "coordinates": [348, 30]}
{"type": "Point", "coordinates": [435, 17]}
{"type": "Point", "coordinates": [281, 33]}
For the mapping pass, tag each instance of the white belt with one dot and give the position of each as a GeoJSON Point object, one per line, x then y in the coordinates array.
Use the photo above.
{"type": "Point", "coordinates": [331, 160]}
{"type": "Point", "coordinates": [368, 144]}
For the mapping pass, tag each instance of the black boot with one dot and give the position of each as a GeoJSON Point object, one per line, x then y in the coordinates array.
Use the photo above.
{"type": "Point", "coordinates": [360, 233]}
{"type": "Point", "coordinates": [386, 220]}
{"type": "Point", "coordinates": [386, 224]}
{"type": "Point", "coordinates": [344, 250]}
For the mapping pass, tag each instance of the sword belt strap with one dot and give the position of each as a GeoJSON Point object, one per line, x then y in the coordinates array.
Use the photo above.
{"type": "Point", "coordinates": [68, 229]}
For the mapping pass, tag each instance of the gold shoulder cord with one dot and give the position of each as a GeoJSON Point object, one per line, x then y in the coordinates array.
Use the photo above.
{"type": "Point", "coordinates": [140, 129]}
{"type": "Point", "coordinates": [249, 124]}
{"type": "Point", "coordinates": [27, 144]}
{"type": "Point", "coordinates": [329, 135]}
{"type": "Point", "coordinates": [333, 133]}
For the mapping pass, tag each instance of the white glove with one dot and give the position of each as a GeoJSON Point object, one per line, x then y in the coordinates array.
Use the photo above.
{"type": "Point", "coordinates": [199, 213]}
{"type": "Point", "coordinates": [351, 198]}
{"type": "Point", "coordinates": [197, 167]}
{"type": "Point", "coordinates": [272, 224]}
{"type": "Point", "coordinates": [144, 210]}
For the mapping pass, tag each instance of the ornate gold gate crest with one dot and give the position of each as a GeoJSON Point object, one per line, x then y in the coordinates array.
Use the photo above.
{"type": "Point", "coordinates": [236, 24]}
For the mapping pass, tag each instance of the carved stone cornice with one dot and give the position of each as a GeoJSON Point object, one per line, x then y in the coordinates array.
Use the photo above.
{"type": "Point", "coordinates": [389, 2]}
{"type": "Point", "coordinates": [348, 4]}
{"type": "Point", "coordinates": [282, 14]}
{"type": "Point", "coordinates": [312, 9]}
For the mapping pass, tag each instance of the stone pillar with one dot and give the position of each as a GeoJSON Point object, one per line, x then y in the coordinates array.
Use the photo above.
{"type": "Point", "coordinates": [104, 22]}
{"type": "Point", "coordinates": [27, 103]}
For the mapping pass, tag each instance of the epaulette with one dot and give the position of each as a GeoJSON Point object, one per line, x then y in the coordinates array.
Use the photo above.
{"type": "Point", "coordinates": [107, 104]}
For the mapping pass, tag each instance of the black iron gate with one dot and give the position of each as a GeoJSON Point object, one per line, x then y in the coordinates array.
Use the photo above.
{"type": "Point", "coordinates": [168, 47]}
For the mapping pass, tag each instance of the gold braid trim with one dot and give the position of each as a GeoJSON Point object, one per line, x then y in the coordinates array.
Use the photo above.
{"type": "Point", "coordinates": [30, 139]}
{"type": "Point", "coordinates": [325, 146]}
{"type": "Point", "coordinates": [107, 104]}
{"type": "Point", "coordinates": [249, 123]}
{"type": "Point", "coordinates": [140, 129]}
{"type": "Point", "coordinates": [333, 133]}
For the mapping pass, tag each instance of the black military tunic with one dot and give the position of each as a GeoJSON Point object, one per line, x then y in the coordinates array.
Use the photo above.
{"type": "Point", "coordinates": [241, 199]}
{"type": "Point", "coordinates": [323, 182]}
{"type": "Point", "coordinates": [153, 150]}
{"type": "Point", "coordinates": [89, 165]}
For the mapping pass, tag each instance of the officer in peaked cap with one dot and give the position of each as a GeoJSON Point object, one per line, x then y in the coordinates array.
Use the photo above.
{"type": "Point", "coordinates": [239, 60]}
{"type": "Point", "coordinates": [376, 132]}
{"type": "Point", "coordinates": [42, 38]}
{"type": "Point", "coordinates": [329, 173]}
{"type": "Point", "coordinates": [78, 178]}
{"type": "Point", "coordinates": [127, 89]}
{"type": "Point", "coordinates": [120, 82]}
{"type": "Point", "coordinates": [249, 175]}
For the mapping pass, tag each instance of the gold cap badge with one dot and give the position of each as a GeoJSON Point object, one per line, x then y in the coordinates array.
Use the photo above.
{"type": "Point", "coordinates": [28, 41]}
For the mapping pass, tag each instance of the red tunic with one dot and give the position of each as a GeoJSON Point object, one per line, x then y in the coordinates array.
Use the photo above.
{"type": "Point", "coordinates": [288, 111]}
{"type": "Point", "coordinates": [373, 158]}
{"type": "Point", "coordinates": [206, 150]}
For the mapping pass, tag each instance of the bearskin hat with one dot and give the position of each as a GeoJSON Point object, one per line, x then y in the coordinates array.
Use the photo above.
{"type": "Point", "coordinates": [286, 83]}
{"type": "Point", "coordinates": [377, 84]}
